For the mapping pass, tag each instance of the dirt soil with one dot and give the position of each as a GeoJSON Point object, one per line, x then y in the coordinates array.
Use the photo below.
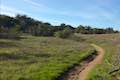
{"type": "Point", "coordinates": [81, 71]}
{"type": "Point", "coordinates": [98, 60]}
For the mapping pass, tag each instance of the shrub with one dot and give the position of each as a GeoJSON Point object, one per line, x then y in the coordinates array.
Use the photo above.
{"type": "Point", "coordinates": [64, 34]}
{"type": "Point", "coordinates": [76, 38]}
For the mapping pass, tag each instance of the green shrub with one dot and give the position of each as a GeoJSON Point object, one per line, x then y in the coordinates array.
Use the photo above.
{"type": "Point", "coordinates": [64, 34]}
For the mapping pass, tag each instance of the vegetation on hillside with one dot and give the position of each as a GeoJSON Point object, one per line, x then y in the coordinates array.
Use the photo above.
{"type": "Point", "coordinates": [25, 24]}
{"type": "Point", "coordinates": [47, 57]}
{"type": "Point", "coordinates": [110, 68]}
{"type": "Point", "coordinates": [39, 58]}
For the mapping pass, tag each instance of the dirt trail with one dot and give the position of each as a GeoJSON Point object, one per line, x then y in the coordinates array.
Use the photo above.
{"type": "Point", "coordinates": [81, 71]}
{"type": "Point", "coordinates": [98, 60]}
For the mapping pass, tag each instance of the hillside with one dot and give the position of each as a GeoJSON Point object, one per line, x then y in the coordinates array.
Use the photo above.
{"type": "Point", "coordinates": [39, 58]}
{"type": "Point", "coordinates": [35, 50]}
{"type": "Point", "coordinates": [59, 39]}
{"type": "Point", "coordinates": [110, 68]}
{"type": "Point", "coordinates": [24, 24]}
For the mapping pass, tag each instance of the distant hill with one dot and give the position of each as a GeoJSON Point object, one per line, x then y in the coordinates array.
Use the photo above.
{"type": "Point", "coordinates": [25, 24]}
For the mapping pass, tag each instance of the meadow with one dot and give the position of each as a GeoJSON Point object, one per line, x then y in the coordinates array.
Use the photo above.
{"type": "Point", "coordinates": [39, 58]}
{"type": "Point", "coordinates": [110, 68]}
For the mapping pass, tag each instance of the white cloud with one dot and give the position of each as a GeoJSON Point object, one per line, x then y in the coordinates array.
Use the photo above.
{"type": "Point", "coordinates": [46, 9]}
{"type": "Point", "coordinates": [95, 12]}
{"type": "Point", "coordinates": [91, 12]}
{"type": "Point", "coordinates": [10, 11]}
{"type": "Point", "coordinates": [36, 5]}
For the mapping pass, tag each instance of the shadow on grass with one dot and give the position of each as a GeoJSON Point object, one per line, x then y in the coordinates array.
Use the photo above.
{"type": "Point", "coordinates": [22, 56]}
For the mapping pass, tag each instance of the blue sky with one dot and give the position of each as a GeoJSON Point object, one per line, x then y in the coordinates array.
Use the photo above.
{"type": "Point", "coordinates": [97, 13]}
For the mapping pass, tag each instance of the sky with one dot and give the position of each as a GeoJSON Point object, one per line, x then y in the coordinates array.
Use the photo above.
{"type": "Point", "coordinates": [96, 13]}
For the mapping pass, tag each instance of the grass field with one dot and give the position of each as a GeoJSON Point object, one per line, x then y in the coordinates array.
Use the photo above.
{"type": "Point", "coordinates": [39, 58]}
{"type": "Point", "coordinates": [111, 44]}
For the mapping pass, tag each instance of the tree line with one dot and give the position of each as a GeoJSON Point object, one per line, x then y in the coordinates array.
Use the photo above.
{"type": "Point", "coordinates": [25, 24]}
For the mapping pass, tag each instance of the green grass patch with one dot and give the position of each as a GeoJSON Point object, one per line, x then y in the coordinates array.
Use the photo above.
{"type": "Point", "coordinates": [39, 58]}
{"type": "Point", "coordinates": [111, 44]}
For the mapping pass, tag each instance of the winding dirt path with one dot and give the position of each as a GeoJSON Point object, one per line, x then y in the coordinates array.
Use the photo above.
{"type": "Point", "coordinates": [98, 60]}
{"type": "Point", "coordinates": [81, 71]}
